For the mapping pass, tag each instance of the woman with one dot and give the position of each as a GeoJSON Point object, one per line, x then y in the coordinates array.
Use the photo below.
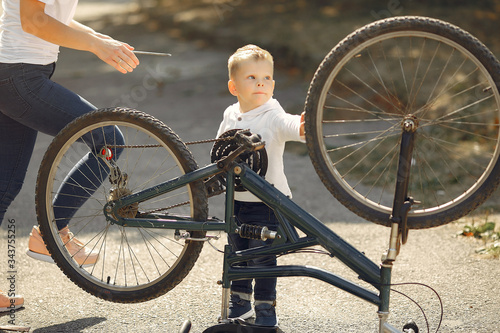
{"type": "Point", "coordinates": [31, 33]}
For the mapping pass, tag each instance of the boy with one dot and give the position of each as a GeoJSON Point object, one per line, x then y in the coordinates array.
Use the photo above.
{"type": "Point", "coordinates": [251, 81]}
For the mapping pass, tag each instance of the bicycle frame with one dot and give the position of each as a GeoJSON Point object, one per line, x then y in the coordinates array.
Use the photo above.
{"type": "Point", "coordinates": [290, 215]}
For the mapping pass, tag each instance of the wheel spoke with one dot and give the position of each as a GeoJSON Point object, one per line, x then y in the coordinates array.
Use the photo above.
{"type": "Point", "coordinates": [130, 261]}
{"type": "Point", "coordinates": [390, 72]}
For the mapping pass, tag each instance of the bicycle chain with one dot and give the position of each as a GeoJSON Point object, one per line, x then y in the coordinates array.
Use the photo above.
{"type": "Point", "coordinates": [187, 144]}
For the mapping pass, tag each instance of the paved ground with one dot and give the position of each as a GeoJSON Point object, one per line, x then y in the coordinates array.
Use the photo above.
{"type": "Point", "coordinates": [190, 97]}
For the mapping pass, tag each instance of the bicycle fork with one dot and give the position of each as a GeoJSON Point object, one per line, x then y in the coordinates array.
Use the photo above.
{"type": "Point", "coordinates": [399, 230]}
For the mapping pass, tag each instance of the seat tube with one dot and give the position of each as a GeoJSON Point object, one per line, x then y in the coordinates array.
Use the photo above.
{"type": "Point", "coordinates": [229, 203]}
{"type": "Point", "coordinates": [230, 227]}
{"type": "Point", "coordinates": [385, 290]}
{"type": "Point", "coordinates": [226, 285]}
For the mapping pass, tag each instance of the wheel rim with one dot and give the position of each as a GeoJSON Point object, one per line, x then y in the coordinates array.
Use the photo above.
{"type": "Point", "coordinates": [130, 259]}
{"type": "Point", "coordinates": [364, 163]}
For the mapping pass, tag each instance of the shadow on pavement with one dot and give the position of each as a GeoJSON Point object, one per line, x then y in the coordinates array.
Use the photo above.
{"type": "Point", "coordinates": [71, 326]}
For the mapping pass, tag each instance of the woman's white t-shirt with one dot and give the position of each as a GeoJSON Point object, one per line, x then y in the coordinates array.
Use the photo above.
{"type": "Point", "coordinates": [17, 46]}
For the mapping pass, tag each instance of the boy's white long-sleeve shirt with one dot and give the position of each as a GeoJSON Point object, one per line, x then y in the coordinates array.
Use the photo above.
{"type": "Point", "coordinates": [275, 127]}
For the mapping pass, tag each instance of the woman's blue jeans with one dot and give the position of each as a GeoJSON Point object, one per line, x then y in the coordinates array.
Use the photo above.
{"type": "Point", "coordinates": [255, 213]}
{"type": "Point", "coordinates": [30, 103]}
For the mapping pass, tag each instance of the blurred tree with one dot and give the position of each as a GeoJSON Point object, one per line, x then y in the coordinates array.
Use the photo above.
{"type": "Point", "coordinates": [482, 4]}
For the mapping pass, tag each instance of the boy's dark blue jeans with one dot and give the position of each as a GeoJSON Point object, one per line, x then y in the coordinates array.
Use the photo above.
{"type": "Point", "coordinates": [30, 102]}
{"type": "Point", "coordinates": [255, 213]}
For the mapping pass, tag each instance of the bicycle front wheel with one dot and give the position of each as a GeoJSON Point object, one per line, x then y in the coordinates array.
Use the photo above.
{"type": "Point", "coordinates": [440, 77]}
{"type": "Point", "coordinates": [103, 156]}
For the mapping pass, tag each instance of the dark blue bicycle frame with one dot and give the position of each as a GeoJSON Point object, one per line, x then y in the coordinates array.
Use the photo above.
{"type": "Point", "coordinates": [288, 212]}
{"type": "Point", "coordinates": [288, 240]}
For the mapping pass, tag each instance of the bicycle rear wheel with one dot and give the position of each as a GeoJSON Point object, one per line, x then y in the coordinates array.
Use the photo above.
{"type": "Point", "coordinates": [438, 75]}
{"type": "Point", "coordinates": [133, 264]}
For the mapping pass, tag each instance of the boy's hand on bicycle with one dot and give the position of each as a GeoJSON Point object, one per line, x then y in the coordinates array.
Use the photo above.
{"type": "Point", "coordinates": [302, 124]}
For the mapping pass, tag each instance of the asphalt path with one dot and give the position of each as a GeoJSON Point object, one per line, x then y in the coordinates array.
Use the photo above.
{"type": "Point", "coordinates": [188, 92]}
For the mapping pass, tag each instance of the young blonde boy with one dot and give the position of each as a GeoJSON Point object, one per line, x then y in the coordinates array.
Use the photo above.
{"type": "Point", "coordinates": [251, 80]}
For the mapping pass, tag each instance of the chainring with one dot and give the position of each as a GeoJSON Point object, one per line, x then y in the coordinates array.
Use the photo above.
{"type": "Point", "coordinates": [256, 160]}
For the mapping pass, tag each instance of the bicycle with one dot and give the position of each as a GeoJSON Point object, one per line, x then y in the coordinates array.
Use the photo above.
{"type": "Point", "coordinates": [398, 95]}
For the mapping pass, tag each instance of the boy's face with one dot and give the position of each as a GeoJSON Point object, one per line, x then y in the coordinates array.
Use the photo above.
{"type": "Point", "coordinates": [252, 83]}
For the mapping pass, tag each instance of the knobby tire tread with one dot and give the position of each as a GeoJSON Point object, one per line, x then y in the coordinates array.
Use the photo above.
{"type": "Point", "coordinates": [410, 23]}
{"type": "Point", "coordinates": [200, 203]}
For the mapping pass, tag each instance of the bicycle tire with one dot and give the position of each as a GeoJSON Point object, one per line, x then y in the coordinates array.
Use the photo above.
{"type": "Point", "coordinates": [134, 264]}
{"type": "Point", "coordinates": [443, 77]}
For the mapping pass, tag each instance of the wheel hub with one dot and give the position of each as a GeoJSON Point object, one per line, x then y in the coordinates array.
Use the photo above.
{"type": "Point", "coordinates": [410, 123]}
{"type": "Point", "coordinates": [129, 211]}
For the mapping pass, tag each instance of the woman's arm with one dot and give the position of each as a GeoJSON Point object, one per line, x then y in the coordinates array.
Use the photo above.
{"type": "Point", "coordinates": [79, 26]}
{"type": "Point", "coordinates": [76, 36]}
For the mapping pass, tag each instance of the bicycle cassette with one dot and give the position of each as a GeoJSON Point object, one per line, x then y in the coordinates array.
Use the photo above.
{"type": "Point", "coordinates": [256, 160]}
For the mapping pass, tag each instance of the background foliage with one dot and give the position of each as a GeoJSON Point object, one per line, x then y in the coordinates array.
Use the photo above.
{"type": "Point", "coordinates": [299, 32]}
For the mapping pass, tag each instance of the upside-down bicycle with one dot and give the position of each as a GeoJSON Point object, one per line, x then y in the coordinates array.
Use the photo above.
{"type": "Point", "coordinates": [398, 95]}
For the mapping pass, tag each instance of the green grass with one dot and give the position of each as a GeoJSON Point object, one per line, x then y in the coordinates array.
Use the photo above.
{"type": "Point", "coordinates": [486, 231]}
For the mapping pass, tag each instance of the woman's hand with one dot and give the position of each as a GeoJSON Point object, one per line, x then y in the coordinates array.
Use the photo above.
{"type": "Point", "coordinates": [76, 36]}
{"type": "Point", "coordinates": [115, 53]}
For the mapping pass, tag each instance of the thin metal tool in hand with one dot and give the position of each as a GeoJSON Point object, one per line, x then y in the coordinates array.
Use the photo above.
{"type": "Point", "coordinates": [153, 53]}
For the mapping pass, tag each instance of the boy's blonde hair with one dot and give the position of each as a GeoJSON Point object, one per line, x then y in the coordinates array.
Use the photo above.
{"type": "Point", "coordinates": [244, 53]}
